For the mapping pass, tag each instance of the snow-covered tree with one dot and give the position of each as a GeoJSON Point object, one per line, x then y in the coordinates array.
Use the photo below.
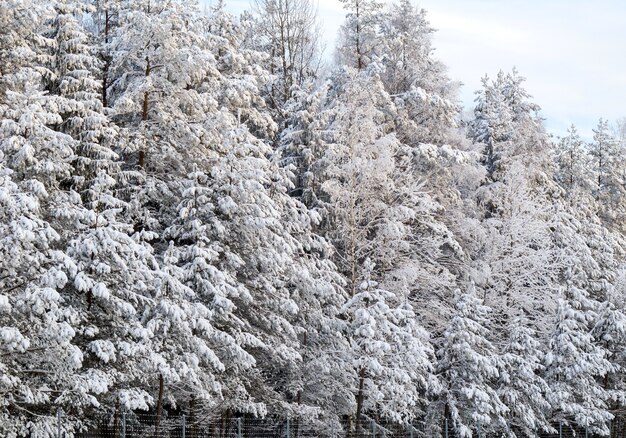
{"type": "Point", "coordinates": [518, 267]}
{"type": "Point", "coordinates": [159, 60]}
{"type": "Point", "coordinates": [77, 70]}
{"type": "Point", "coordinates": [572, 163]}
{"type": "Point", "coordinates": [521, 387]}
{"type": "Point", "coordinates": [575, 363]}
{"type": "Point", "coordinates": [114, 279]}
{"type": "Point", "coordinates": [196, 260]}
{"type": "Point", "coordinates": [377, 208]}
{"type": "Point", "coordinates": [303, 142]}
{"type": "Point", "coordinates": [603, 150]}
{"type": "Point", "coordinates": [289, 32]}
{"type": "Point", "coordinates": [468, 366]}
{"type": "Point", "coordinates": [358, 34]}
{"type": "Point", "coordinates": [425, 96]}
{"type": "Point", "coordinates": [37, 163]}
{"type": "Point", "coordinates": [507, 122]}
{"type": "Point", "coordinates": [610, 333]}
{"type": "Point", "coordinates": [407, 48]}
{"type": "Point", "coordinates": [606, 153]}
{"type": "Point", "coordinates": [243, 80]}
{"type": "Point", "coordinates": [392, 355]}
{"type": "Point", "coordinates": [374, 211]}
{"type": "Point", "coordinates": [39, 360]}
{"type": "Point", "coordinates": [105, 19]}
{"type": "Point", "coordinates": [518, 264]}
{"type": "Point", "coordinates": [31, 145]}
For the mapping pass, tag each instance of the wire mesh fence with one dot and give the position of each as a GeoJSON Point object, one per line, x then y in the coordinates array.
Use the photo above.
{"type": "Point", "coordinates": [141, 425]}
{"type": "Point", "coordinates": [150, 425]}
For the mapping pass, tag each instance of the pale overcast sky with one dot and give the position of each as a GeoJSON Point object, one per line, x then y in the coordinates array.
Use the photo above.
{"type": "Point", "coordinates": [573, 52]}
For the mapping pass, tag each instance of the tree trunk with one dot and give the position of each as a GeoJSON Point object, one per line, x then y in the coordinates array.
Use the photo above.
{"type": "Point", "coordinates": [284, 54]}
{"type": "Point", "coordinates": [359, 398]}
{"type": "Point", "coordinates": [192, 417]}
{"type": "Point", "coordinates": [159, 408]}
{"type": "Point", "coordinates": [353, 227]}
{"type": "Point", "coordinates": [445, 418]}
{"type": "Point", "coordinates": [144, 115]}
{"type": "Point", "coordinates": [296, 421]}
{"type": "Point", "coordinates": [116, 418]}
{"type": "Point", "coordinates": [359, 58]}
{"type": "Point", "coordinates": [296, 425]}
{"type": "Point", "coordinates": [107, 60]}
{"type": "Point", "coordinates": [272, 72]}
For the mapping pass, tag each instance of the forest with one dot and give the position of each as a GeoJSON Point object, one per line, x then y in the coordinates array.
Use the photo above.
{"type": "Point", "coordinates": [207, 212]}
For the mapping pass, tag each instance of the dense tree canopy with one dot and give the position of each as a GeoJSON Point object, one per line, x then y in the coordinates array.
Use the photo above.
{"type": "Point", "coordinates": [196, 216]}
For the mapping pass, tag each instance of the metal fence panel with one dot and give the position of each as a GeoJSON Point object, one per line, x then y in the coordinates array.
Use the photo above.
{"type": "Point", "coordinates": [149, 425]}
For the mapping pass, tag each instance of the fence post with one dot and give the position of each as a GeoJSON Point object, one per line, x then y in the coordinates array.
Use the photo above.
{"type": "Point", "coordinates": [288, 431]}
{"type": "Point", "coordinates": [184, 427]}
{"type": "Point", "coordinates": [123, 424]}
{"type": "Point", "coordinates": [478, 424]}
{"type": "Point", "coordinates": [239, 434]}
{"type": "Point", "coordinates": [446, 427]}
{"type": "Point", "coordinates": [586, 432]}
{"type": "Point", "coordinates": [410, 430]}
{"type": "Point", "coordinates": [560, 429]}
{"type": "Point", "coordinates": [373, 428]}
{"type": "Point", "coordinates": [58, 422]}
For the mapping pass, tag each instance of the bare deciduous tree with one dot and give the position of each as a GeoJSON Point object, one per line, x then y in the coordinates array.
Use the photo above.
{"type": "Point", "coordinates": [290, 32]}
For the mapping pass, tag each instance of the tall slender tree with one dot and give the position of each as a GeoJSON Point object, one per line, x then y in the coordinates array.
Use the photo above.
{"type": "Point", "coordinates": [358, 34]}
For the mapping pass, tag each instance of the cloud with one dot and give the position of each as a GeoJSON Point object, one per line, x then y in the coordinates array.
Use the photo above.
{"type": "Point", "coordinates": [568, 50]}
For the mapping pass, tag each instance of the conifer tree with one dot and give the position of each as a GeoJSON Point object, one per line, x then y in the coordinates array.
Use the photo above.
{"type": "Point", "coordinates": [574, 363]}
{"type": "Point", "coordinates": [609, 187]}
{"type": "Point", "coordinates": [469, 368]}
{"type": "Point", "coordinates": [572, 161]}
{"type": "Point", "coordinates": [358, 34]}
{"type": "Point", "coordinates": [84, 118]}
{"type": "Point", "coordinates": [391, 354]}
{"type": "Point", "coordinates": [424, 95]}
{"type": "Point", "coordinates": [521, 387]}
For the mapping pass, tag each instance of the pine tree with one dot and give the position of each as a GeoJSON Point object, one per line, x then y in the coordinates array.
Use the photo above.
{"type": "Point", "coordinates": [358, 34]}
{"type": "Point", "coordinates": [106, 19]}
{"type": "Point", "coordinates": [160, 59]}
{"type": "Point", "coordinates": [609, 332]}
{"type": "Point", "coordinates": [255, 224]}
{"type": "Point", "coordinates": [39, 359]}
{"type": "Point", "coordinates": [521, 387]}
{"type": "Point", "coordinates": [609, 188]}
{"type": "Point", "coordinates": [469, 368]}
{"type": "Point", "coordinates": [303, 141]}
{"type": "Point", "coordinates": [571, 159]}
{"type": "Point", "coordinates": [113, 283]}
{"type": "Point", "coordinates": [492, 123]}
{"type": "Point", "coordinates": [84, 118]}
{"type": "Point", "coordinates": [507, 122]}
{"type": "Point", "coordinates": [574, 363]}
{"type": "Point", "coordinates": [242, 80]}
{"type": "Point", "coordinates": [358, 213]}
{"type": "Point", "coordinates": [392, 355]}
{"type": "Point", "coordinates": [424, 95]}
{"type": "Point", "coordinates": [36, 163]}
{"type": "Point", "coordinates": [289, 32]}
{"type": "Point", "coordinates": [196, 259]}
